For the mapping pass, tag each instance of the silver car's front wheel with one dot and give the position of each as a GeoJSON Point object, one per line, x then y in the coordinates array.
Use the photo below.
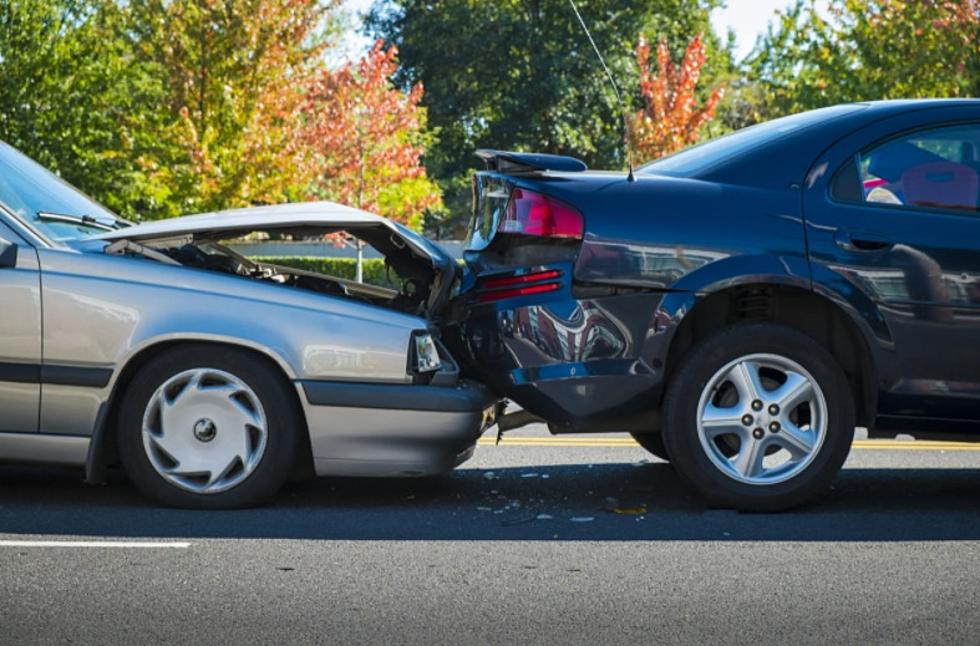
{"type": "Point", "coordinates": [762, 419]}
{"type": "Point", "coordinates": [209, 427]}
{"type": "Point", "coordinates": [204, 430]}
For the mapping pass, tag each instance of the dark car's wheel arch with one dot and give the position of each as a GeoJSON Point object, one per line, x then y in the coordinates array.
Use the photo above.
{"type": "Point", "coordinates": [103, 449]}
{"type": "Point", "coordinates": [804, 310]}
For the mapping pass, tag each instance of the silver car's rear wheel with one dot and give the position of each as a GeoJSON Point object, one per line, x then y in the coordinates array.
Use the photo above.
{"type": "Point", "coordinates": [762, 418]}
{"type": "Point", "coordinates": [204, 430]}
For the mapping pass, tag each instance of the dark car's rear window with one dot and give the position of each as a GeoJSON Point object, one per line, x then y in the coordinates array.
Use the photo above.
{"type": "Point", "coordinates": [694, 160]}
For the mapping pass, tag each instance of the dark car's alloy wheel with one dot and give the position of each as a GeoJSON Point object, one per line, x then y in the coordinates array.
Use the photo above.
{"type": "Point", "coordinates": [759, 417]}
{"type": "Point", "coordinates": [208, 427]}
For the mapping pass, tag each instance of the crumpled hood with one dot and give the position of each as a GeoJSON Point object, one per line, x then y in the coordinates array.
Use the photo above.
{"type": "Point", "coordinates": [407, 252]}
{"type": "Point", "coordinates": [298, 216]}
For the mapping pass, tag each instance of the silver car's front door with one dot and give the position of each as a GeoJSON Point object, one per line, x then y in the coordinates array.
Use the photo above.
{"type": "Point", "coordinates": [20, 334]}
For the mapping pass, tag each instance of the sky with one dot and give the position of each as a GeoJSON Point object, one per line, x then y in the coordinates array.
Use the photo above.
{"type": "Point", "coordinates": [747, 18]}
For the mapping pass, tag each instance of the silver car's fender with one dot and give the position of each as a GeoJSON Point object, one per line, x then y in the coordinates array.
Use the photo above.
{"type": "Point", "coordinates": [100, 312]}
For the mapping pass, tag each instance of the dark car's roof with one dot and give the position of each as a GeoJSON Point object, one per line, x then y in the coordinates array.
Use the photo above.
{"type": "Point", "coordinates": [790, 154]}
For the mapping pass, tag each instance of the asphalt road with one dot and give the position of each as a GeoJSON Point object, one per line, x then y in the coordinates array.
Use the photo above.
{"type": "Point", "coordinates": [585, 541]}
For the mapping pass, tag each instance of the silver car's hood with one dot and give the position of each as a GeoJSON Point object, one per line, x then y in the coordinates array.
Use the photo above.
{"type": "Point", "coordinates": [298, 217]}
{"type": "Point", "coordinates": [403, 248]}
{"type": "Point", "coordinates": [284, 216]}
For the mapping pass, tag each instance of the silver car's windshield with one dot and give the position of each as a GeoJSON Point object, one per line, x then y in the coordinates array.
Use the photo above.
{"type": "Point", "coordinates": [48, 203]}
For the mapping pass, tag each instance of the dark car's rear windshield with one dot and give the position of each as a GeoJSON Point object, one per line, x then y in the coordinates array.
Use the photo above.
{"type": "Point", "coordinates": [690, 162]}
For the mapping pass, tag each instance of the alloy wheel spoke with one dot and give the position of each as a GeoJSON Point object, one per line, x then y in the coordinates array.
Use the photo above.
{"type": "Point", "coordinates": [721, 421]}
{"type": "Point", "coordinates": [744, 375]}
{"type": "Point", "coordinates": [798, 442]}
{"type": "Point", "coordinates": [795, 391]}
{"type": "Point", "coordinates": [748, 461]}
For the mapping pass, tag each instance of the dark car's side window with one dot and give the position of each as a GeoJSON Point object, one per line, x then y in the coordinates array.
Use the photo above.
{"type": "Point", "coordinates": [937, 168]}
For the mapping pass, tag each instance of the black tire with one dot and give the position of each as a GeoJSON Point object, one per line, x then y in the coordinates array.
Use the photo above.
{"type": "Point", "coordinates": [283, 422]}
{"type": "Point", "coordinates": [653, 443]}
{"type": "Point", "coordinates": [681, 412]}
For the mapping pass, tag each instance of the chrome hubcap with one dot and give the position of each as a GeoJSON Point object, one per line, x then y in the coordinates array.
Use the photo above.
{"type": "Point", "coordinates": [762, 419]}
{"type": "Point", "coordinates": [204, 430]}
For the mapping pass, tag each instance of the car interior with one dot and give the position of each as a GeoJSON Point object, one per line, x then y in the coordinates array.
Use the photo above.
{"type": "Point", "coordinates": [938, 169]}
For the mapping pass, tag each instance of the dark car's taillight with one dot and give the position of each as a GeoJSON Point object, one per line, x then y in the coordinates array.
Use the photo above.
{"type": "Point", "coordinates": [539, 282]}
{"type": "Point", "coordinates": [535, 214]}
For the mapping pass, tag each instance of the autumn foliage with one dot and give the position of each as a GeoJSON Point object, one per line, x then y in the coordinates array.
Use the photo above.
{"type": "Point", "coordinates": [670, 118]}
{"type": "Point", "coordinates": [220, 104]}
{"type": "Point", "coordinates": [367, 138]}
{"type": "Point", "coordinates": [232, 73]}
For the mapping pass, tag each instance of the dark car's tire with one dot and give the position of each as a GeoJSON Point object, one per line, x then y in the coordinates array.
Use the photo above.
{"type": "Point", "coordinates": [714, 445]}
{"type": "Point", "coordinates": [653, 443]}
{"type": "Point", "coordinates": [208, 427]}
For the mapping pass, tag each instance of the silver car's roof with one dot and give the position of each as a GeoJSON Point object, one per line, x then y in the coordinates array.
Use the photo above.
{"type": "Point", "coordinates": [282, 216]}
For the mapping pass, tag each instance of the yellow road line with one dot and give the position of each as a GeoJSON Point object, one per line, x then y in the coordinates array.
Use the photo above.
{"type": "Point", "coordinates": [618, 442]}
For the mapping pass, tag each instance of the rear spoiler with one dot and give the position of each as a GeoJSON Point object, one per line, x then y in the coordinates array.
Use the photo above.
{"type": "Point", "coordinates": [525, 163]}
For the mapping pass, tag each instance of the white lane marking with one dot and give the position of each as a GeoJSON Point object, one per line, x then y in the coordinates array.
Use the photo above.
{"type": "Point", "coordinates": [117, 544]}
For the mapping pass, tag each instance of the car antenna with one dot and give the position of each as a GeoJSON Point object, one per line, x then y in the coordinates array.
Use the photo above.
{"type": "Point", "coordinates": [619, 97]}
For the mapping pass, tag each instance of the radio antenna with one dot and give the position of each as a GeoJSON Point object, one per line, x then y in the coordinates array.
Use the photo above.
{"type": "Point", "coordinates": [612, 81]}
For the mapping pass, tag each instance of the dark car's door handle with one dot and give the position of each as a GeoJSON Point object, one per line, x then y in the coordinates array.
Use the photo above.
{"type": "Point", "coordinates": [859, 240]}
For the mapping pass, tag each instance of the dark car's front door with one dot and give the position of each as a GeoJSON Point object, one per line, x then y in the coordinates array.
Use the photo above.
{"type": "Point", "coordinates": [893, 209]}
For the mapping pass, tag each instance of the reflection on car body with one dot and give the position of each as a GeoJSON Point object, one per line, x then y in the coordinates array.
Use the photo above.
{"type": "Point", "coordinates": [752, 298]}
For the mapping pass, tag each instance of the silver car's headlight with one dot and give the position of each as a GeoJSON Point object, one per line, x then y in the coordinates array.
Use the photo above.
{"type": "Point", "coordinates": [425, 354]}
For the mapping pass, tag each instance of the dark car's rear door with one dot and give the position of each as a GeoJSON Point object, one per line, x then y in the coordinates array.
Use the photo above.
{"type": "Point", "coordinates": [894, 210]}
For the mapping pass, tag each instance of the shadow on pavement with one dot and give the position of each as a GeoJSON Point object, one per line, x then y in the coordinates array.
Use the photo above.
{"type": "Point", "coordinates": [607, 502]}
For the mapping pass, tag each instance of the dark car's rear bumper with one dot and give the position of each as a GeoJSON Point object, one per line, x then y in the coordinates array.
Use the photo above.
{"type": "Point", "coordinates": [580, 363]}
{"type": "Point", "coordinates": [381, 430]}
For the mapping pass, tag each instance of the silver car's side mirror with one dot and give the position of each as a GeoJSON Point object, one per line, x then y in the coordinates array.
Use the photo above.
{"type": "Point", "coordinates": [8, 254]}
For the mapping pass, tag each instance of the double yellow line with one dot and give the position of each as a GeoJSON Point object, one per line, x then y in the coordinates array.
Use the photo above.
{"type": "Point", "coordinates": [625, 442]}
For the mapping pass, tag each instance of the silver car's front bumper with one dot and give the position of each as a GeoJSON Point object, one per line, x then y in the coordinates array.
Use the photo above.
{"type": "Point", "coordinates": [381, 430]}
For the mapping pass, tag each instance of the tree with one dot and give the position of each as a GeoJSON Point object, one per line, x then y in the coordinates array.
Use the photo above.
{"type": "Point", "coordinates": [520, 74]}
{"type": "Point", "coordinates": [868, 49]}
{"type": "Point", "coordinates": [74, 97]}
{"type": "Point", "coordinates": [233, 71]}
{"type": "Point", "coordinates": [368, 137]}
{"type": "Point", "coordinates": [670, 118]}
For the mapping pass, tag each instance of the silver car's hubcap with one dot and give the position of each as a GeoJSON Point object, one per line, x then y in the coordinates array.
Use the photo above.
{"type": "Point", "coordinates": [762, 419]}
{"type": "Point", "coordinates": [204, 430]}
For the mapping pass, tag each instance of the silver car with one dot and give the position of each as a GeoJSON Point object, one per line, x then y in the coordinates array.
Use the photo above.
{"type": "Point", "coordinates": [211, 377]}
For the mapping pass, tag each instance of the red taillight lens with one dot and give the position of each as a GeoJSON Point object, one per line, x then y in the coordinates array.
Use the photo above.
{"type": "Point", "coordinates": [495, 289]}
{"type": "Point", "coordinates": [534, 214]}
{"type": "Point", "coordinates": [523, 279]}
{"type": "Point", "coordinates": [519, 291]}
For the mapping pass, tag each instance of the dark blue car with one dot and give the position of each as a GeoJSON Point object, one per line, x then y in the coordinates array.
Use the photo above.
{"type": "Point", "coordinates": [743, 305]}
